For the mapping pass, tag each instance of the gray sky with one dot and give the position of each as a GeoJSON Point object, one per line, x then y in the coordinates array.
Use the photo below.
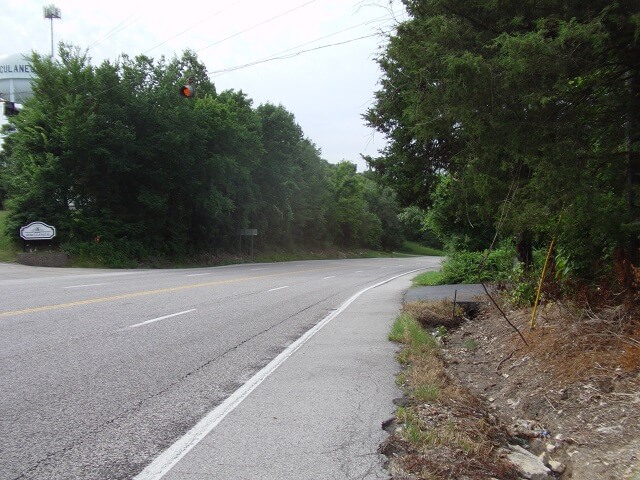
{"type": "Point", "coordinates": [327, 89]}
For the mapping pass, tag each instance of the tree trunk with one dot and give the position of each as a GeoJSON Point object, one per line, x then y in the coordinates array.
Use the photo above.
{"type": "Point", "coordinates": [524, 249]}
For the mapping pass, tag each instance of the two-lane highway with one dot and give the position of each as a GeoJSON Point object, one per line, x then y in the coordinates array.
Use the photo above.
{"type": "Point", "coordinates": [102, 370]}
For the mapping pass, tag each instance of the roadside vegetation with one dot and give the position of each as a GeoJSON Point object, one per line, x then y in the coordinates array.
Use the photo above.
{"type": "Point", "coordinates": [129, 172]}
{"type": "Point", "coordinates": [473, 387]}
{"type": "Point", "coordinates": [8, 248]}
{"type": "Point", "coordinates": [440, 431]}
{"type": "Point", "coordinates": [512, 124]}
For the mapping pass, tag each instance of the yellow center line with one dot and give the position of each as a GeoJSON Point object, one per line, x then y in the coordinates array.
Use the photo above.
{"type": "Point", "coordinates": [46, 308]}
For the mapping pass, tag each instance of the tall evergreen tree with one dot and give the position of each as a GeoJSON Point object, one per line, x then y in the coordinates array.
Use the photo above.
{"type": "Point", "coordinates": [530, 103]}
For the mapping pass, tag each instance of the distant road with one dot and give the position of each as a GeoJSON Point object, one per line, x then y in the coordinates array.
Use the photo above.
{"type": "Point", "coordinates": [101, 370]}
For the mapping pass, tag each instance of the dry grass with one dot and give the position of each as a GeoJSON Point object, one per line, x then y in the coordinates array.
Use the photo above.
{"type": "Point", "coordinates": [577, 344]}
{"type": "Point", "coordinates": [444, 463]}
{"type": "Point", "coordinates": [445, 431]}
{"type": "Point", "coordinates": [424, 370]}
{"type": "Point", "coordinates": [435, 314]}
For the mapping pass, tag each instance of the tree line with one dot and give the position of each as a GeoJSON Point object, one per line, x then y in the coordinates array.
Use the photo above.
{"type": "Point", "coordinates": [518, 120]}
{"type": "Point", "coordinates": [116, 159]}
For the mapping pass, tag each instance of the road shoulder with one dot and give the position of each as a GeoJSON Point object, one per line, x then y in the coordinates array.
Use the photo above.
{"type": "Point", "coordinates": [319, 415]}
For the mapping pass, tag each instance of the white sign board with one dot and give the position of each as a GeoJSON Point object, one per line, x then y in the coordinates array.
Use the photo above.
{"type": "Point", "coordinates": [37, 231]}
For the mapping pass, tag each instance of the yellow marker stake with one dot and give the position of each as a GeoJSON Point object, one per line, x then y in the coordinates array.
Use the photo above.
{"type": "Point", "coordinates": [544, 271]}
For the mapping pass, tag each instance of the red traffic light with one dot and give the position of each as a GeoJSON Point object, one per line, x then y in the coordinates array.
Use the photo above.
{"type": "Point", "coordinates": [187, 91]}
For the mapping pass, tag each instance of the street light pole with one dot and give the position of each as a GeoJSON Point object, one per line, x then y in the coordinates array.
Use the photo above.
{"type": "Point", "coordinates": [51, 12]}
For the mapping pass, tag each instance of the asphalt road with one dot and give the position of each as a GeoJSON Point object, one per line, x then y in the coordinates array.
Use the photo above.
{"type": "Point", "coordinates": [101, 371]}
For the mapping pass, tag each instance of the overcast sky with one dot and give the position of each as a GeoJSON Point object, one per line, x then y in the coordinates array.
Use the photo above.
{"type": "Point", "coordinates": [327, 89]}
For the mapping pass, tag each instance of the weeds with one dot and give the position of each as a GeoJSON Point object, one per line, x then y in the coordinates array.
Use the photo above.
{"type": "Point", "coordinates": [476, 267]}
{"type": "Point", "coordinates": [442, 424]}
{"type": "Point", "coordinates": [577, 343]}
{"type": "Point", "coordinates": [470, 344]}
{"type": "Point", "coordinates": [426, 393]}
{"type": "Point", "coordinates": [407, 330]}
{"type": "Point", "coordinates": [428, 279]}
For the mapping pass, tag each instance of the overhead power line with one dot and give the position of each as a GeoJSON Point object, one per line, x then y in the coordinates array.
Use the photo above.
{"type": "Point", "coordinates": [117, 29]}
{"type": "Point", "coordinates": [277, 56]}
{"type": "Point", "coordinates": [192, 26]}
{"type": "Point", "coordinates": [291, 55]}
{"type": "Point", "coordinates": [257, 25]}
{"type": "Point", "coordinates": [281, 56]}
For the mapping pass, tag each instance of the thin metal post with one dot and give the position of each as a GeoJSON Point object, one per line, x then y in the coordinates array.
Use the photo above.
{"type": "Point", "coordinates": [455, 299]}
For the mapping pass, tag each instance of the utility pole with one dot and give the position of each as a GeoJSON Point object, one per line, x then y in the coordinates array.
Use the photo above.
{"type": "Point", "coordinates": [51, 12]}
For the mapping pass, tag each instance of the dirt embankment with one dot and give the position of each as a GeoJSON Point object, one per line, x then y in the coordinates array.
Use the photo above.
{"type": "Point", "coordinates": [570, 395]}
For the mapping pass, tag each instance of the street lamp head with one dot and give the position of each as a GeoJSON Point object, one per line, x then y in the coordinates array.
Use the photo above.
{"type": "Point", "coordinates": [51, 12]}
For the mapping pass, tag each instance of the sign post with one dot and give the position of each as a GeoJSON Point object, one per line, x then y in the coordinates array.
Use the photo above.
{"type": "Point", "coordinates": [249, 232]}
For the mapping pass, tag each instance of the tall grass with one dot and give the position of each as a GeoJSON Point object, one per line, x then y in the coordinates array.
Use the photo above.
{"type": "Point", "coordinates": [428, 279]}
{"type": "Point", "coordinates": [407, 330]}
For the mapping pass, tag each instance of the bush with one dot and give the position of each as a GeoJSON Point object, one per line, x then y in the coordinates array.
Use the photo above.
{"type": "Point", "coordinates": [468, 267]}
{"type": "Point", "coordinates": [120, 253]}
{"type": "Point", "coordinates": [523, 286]}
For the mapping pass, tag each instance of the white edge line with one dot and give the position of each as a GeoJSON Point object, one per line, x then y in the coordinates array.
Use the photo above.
{"type": "Point", "coordinates": [159, 318]}
{"type": "Point", "coordinates": [87, 285]}
{"type": "Point", "coordinates": [172, 455]}
{"type": "Point", "coordinates": [278, 288]}
{"type": "Point", "coordinates": [198, 274]}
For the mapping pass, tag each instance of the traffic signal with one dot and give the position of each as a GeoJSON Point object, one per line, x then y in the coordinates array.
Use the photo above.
{"type": "Point", "coordinates": [11, 108]}
{"type": "Point", "coordinates": [187, 90]}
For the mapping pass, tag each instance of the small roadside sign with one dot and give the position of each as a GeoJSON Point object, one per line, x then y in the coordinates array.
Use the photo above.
{"type": "Point", "coordinates": [37, 231]}
{"type": "Point", "coordinates": [247, 232]}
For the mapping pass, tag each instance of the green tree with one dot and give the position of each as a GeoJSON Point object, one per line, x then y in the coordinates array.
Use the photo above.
{"type": "Point", "coordinates": [40, 162]}
{"type": "Point", "coordinates": [281, 136]}
{"type": "Point", "coordinates": [517, 116]}
{"type": "Point", "coordinates": [126, 168]}
{"type": "Point", "coordinates": [292, 182]}
{"type": "Point", "coordinates": [417, 227]}
{"type": "Point", "coordinates": [311, 201]}
{"type": "Point", "coordinates": [112, 152]}
{"type": "Point", "coordinates": [383, 202]}
{"type": "Point", "coordinates": [352, 223]}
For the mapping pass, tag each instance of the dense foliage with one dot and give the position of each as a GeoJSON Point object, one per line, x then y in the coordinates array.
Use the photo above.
{"type": "Point", "coordinates": [521, 118]}
{"type": "Point", "coordinates": [119, 162]}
